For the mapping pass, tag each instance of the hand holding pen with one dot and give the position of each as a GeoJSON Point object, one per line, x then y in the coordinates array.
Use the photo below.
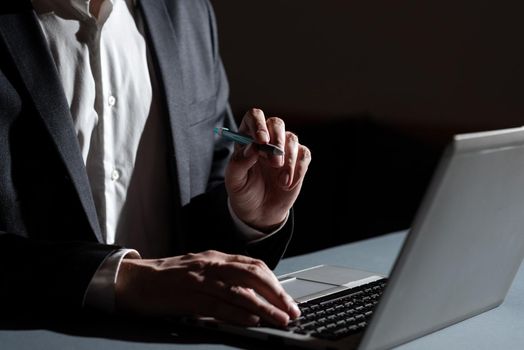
{"type": "Point", "coordinates": [266, 171]}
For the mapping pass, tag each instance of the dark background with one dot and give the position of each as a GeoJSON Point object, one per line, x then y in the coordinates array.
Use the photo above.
{"type": "Point", "coordinates": [375, 90]}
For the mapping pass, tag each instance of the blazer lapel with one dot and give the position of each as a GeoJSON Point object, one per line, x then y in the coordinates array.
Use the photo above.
{"type": "Point", "coordinates": [25, 41]}
{"type": "Point", "coordinates": [165, 50]}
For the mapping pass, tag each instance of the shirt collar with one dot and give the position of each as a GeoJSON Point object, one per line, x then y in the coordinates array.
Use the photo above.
{"type": "Point", "coordinates": [78, 9]}
{"type": "Point", "coordinates": [82, 6]}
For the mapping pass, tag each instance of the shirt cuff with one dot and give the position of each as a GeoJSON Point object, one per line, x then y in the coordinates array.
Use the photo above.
{"type": "Point", "coordinates": [100, 293]}
{"type": "Point", "coordinates": [249, 233]}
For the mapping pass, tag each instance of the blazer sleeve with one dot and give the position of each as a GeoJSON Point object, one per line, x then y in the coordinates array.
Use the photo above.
{"type": "Point", "coordinates": [45, 279]}
{"type": "Point", "coordinates": [207, 217]}
{"type": "Point", "coordinates": [210, 226]}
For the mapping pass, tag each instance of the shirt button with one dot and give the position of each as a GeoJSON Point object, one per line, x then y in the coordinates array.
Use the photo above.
{"type": "Point", "coordinates": [111, 101]}
{"type": "Point", "coordinates": [115, 175]}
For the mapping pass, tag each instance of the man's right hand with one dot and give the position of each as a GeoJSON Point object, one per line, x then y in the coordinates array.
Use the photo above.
{"type": "Point", "coordinates": [205, 284]}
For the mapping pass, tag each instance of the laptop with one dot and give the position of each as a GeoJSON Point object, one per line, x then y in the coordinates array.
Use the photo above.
{"type": "Point", "coordinates": [468, 229]}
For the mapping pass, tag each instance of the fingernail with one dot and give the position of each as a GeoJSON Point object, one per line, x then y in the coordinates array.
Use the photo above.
{"type": "Point", "coordinates": [253, 320]}
{"type": "Point", "coordinates": [295, 310]}
{"type": "Point", "coordinates": [284, 178]}
{"type": "Point", "coordinates": [285, 320]}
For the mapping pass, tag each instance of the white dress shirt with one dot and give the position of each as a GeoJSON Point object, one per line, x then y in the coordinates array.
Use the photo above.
{"type": "Point", "coordinates": [103, 67]}
{"type": "Point", "coordinates": [110, 88]}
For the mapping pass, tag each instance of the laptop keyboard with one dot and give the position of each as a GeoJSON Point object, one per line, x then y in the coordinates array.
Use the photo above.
{"type": "Point", "coordinates": [339, 315]}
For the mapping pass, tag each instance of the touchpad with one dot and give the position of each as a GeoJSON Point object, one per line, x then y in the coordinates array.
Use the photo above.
{"type": "Point", "coordinates": [298, 288]}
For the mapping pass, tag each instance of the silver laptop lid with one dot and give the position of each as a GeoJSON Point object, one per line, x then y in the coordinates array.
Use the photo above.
{"type": "Point", "coordinates": [466, 243]}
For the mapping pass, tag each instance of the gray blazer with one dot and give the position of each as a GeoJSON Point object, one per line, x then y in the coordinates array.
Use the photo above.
{"type": "Point", "coordinates": [50, 239]}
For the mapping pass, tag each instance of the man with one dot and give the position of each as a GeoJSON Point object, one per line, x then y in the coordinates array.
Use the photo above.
{"type": "Point", "coordinates": [107, 156]}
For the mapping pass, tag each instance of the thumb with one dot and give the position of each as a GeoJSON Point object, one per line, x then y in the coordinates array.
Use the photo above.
{"type": "Point", "coordinates": [241, 162]}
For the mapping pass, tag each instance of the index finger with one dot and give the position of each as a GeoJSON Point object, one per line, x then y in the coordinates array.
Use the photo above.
{"type": "Point", "coordinates": [258, 279]}
{"type": "Point", "coordinates": [254, 124]}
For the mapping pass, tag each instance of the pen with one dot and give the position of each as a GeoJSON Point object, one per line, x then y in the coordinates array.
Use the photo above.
{"type": "Point", "coordinates": [246, 140]}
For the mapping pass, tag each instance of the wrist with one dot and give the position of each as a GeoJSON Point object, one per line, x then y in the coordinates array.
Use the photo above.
{"type": "Point", "coordinates": [257, 224]}
{"type": "Point", "coordinates": [266, 223]}
{"type": "Point", "coordinates": [251, 231]}
{"type": "Point", "coordinates": [266, 227]}
{"type": "Point", "coordinates": [129, 286]}
{"type": "Point", "coordinates": [100, 293]}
